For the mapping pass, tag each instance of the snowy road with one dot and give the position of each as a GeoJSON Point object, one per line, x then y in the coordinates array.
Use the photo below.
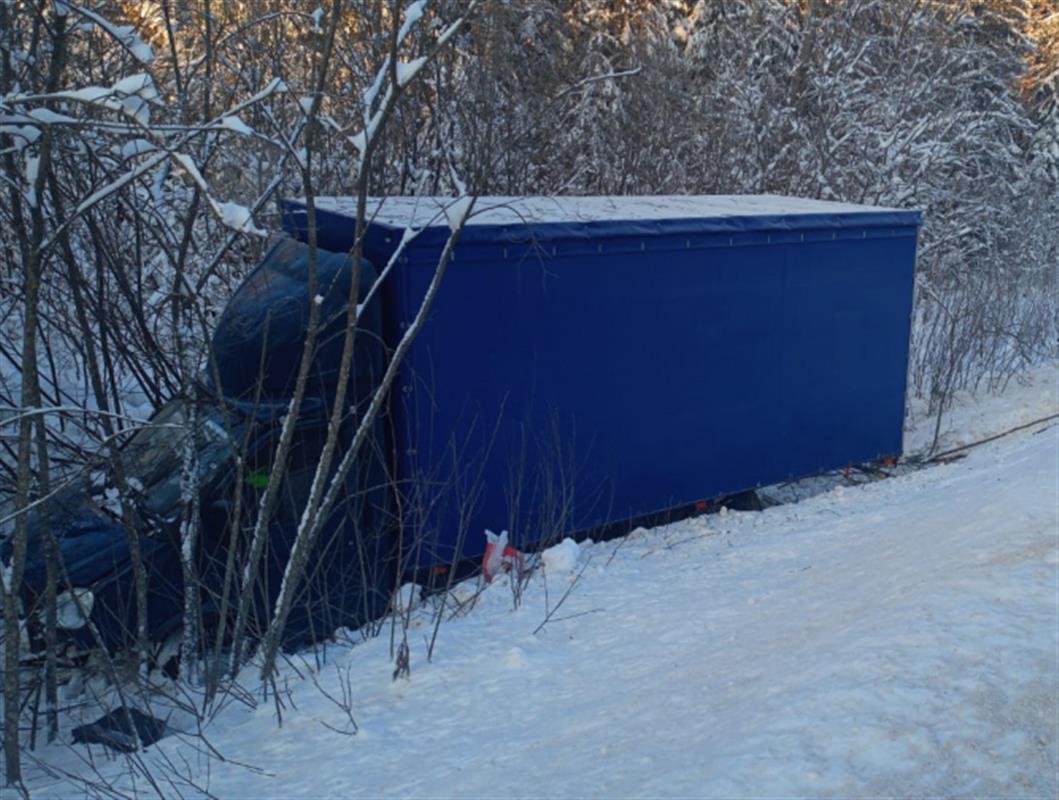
{"type": "Point", "coordinates": [894, 639]}
{"type": "Point", "coordinates": [899, 639]}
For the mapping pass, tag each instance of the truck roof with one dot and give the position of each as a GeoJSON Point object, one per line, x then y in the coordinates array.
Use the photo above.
{"type": "Point", "coordinates": [494, 210]}
{"type": "Point", "coordinates": [511, 220]}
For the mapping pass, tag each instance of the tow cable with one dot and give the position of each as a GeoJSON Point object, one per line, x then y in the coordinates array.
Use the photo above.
{"type": "Point", "coordinates": [946, 456]}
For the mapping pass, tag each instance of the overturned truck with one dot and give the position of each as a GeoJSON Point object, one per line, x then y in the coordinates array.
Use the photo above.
{"type": "Point", "coordinates": [586, 363]}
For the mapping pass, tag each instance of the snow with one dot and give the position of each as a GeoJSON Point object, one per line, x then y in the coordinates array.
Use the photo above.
{"type": "Point", "coordinates": [235, 216]}
{"type": "Point", "coordinates": [406, 70]}
{"type": "Point", "coordinates": [32, 169]}
{"type": "Point", "coordinates": [359, 141]}
{"type": "Point", "coordinates": [895, 638]}
{"type": "Point", "coordinates": [136, 147]}
{"type": "Point", "coordinates": [139, 83]}
{"type": "Point", "coordinates": [189, 166]}
{"type": "Point", "coordinates": [407, 598]}
{"type": "Point", "coordinates": [372, 92]}
{"type": "Point", "coordinates": [87, 94]}
{"type": "Point", "coordinates": [420, 211]}
{"type": "Point", "coordinates": [46, 116]}
{"type": "Point", "coordinates": [561, 558]}
{"type": "Point", "coordinates": [69, 605]}
{"type": "Point", "coordinates": [1022, 401]}
{"type": "Point", "coordinates": [233, 123]}
{"type": "Point", "coordinates": [137, 108]}
{"type": "Point", "coordinates": [457, 211]}
{"type": "Point", "coordinates": [23, 135]}
{"type": "Point", "coordinates": [238, 217]}
{"type": "Point", "coordinates": [125, 34]}
{"type": "Point", "coordinates": [412, 15]}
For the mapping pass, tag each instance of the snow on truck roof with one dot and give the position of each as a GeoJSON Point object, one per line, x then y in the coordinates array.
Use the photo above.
{"type": "Point", "coordinates": [426, 211]}
{"type": "Point", "coordinates": [508, 219]}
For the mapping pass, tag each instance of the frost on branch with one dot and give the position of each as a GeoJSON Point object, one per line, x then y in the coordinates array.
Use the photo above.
{"type": "Point", "coordinates": [456, 213]}
{"type": "Point", "coordinates": [139, 84]}
{"type": "Point", "coordinates": [125, 34]}
{"type": "Point", "coordinates": [412, 15]}
{"type": "Point", "coordinates": [233, 123]}
{"type": "Point", "coordinates": [46, 116]}
{"type": "Point", "coordinates": [406, 70]}
{"type": "Point", "coordinates": [237, 217]}
{"type": "Point", "coordinates": [234, 215]}
{"type": "Point", "coordinates": [135, 147]}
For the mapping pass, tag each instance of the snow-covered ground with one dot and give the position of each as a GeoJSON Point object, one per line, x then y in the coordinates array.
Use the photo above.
{"type": "Point", "coordinates": [1026, 398]}
{"type": "Point", "coordinates": [897, 638]}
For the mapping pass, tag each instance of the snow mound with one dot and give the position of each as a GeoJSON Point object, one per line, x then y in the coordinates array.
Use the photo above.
{"type": "Point", "coordinates": [561, 558]}
{"type": "Point", "coordinates": [407, 598]}
{"type": "Point", "coordinates": [515, 658]}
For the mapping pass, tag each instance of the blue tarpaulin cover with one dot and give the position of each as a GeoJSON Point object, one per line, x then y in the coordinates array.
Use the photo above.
{"type": "Point", "coordinates": [594, 359]}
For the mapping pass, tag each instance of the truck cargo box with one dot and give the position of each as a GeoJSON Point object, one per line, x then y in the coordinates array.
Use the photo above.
{"type": "Point", "coordinates": [594, 360]}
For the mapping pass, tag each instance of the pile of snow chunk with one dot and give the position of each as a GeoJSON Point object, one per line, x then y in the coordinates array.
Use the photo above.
{"type": "Point", "coordinates": [561, 558]}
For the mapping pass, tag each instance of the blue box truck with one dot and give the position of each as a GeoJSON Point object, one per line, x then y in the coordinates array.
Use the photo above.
{"type": "Point", "coordinates": [586, 362]}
